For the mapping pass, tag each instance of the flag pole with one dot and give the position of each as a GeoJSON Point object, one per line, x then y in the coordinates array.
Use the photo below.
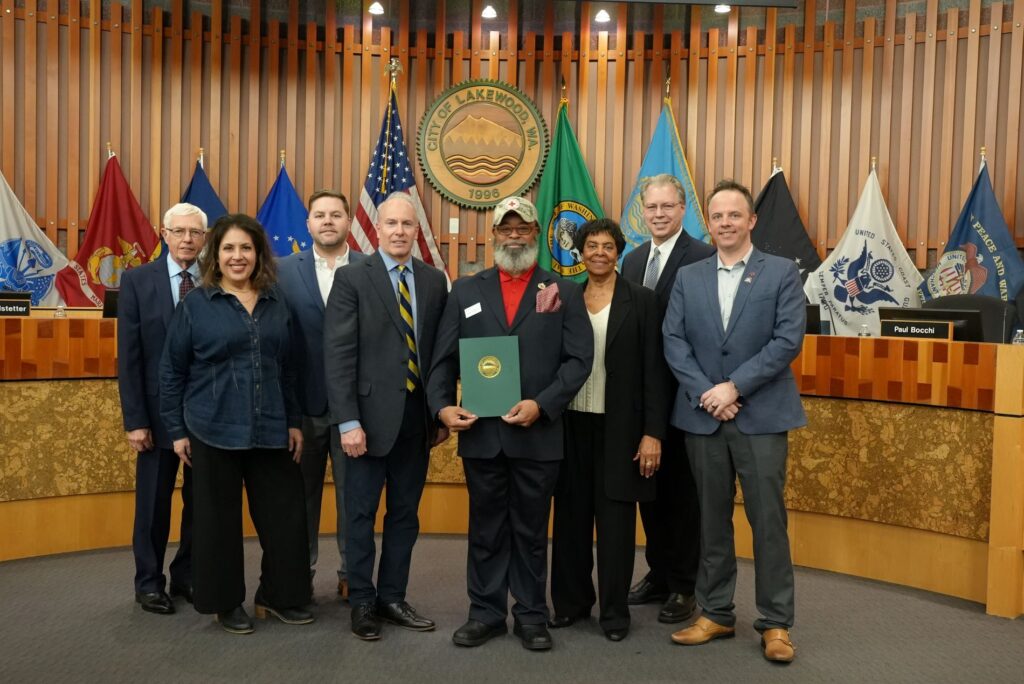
{"type": "Point", "coordinates": [282, 155]}
{"type": "Point", "coordinates": [202, 159]}
{"type": "Point", "coordinates": [110, 150]}
{"type": "Point", "coordinates": [984, 157]}
{"type": "Point", "coordinates": [874, 163]}
{"type": "Point", "coordinates": [775, 166]}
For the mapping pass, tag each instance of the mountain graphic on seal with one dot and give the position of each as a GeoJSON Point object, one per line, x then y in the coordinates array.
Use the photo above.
{"type": "Point", "coordinates": [481, 152]}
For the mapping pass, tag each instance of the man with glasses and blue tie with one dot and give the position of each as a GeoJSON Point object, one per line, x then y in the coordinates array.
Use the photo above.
{"type": "Point", "coordinates": [379, 329]}
{"type": "Point", "coordinates": [671, 521]}
{"type": "Point", "coordinates": [148, 296]}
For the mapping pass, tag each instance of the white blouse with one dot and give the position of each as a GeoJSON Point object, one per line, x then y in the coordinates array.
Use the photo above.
{"type": "Point", "coordinates": [590, 398]}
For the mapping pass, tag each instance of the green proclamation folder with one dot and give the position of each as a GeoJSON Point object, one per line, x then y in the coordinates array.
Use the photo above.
{"type": "Point", "coordinates": [490, 374]}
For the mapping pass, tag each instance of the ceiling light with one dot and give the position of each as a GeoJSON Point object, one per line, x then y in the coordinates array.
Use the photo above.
{"type": "Point", "coordinates": [489, 13]}
{"type": "Point", "coordinates": [602, 17]}
{"type": "Point", "coordinates": [377, 8]}
{"type": "Point", "coordinates": [723, 9]}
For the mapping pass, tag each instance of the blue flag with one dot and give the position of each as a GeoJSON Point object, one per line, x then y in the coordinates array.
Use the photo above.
{"type": "Point", "coordinates": [665, 155]}
{"type": "Point", "coordinates": [200, 193]}
{"type": "Point", "coordinates": [283, 216]}
{"type": "Point", "coordinates": [980, 257]}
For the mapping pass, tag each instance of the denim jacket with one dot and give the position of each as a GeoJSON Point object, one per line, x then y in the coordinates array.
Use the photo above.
{"type": "Point", "coordinates": [226, 377]}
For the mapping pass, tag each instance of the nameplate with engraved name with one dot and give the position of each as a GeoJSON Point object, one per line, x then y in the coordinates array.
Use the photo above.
{"type": "Point", "coordinates": [927, 330]}
{"type": "Point", "coordinates": [15, 303]}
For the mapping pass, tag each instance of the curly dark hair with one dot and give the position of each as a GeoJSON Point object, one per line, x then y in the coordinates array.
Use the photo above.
{"type": "Point", "coordinates": [264, 273]}
{"type": "Point", "coordinates": [601, 225]}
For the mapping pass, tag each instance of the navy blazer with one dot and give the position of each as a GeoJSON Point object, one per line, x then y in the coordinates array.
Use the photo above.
{"type": "Point", "coordinates": [556, 352]}
{"type": "Point", "coordinates": [365, 351]}
{"type": "Point", "coordinates": [296, 278]}
{"type": "Point", "coordinates": [144, 310]}
{"type": "Point", "coordinates": [765, 335]}
{"type": "Point", "coordinates": [686, 251]}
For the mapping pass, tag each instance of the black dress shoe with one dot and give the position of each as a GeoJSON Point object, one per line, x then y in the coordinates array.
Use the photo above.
{"type": "Point", "coordinates": [475, 633]}
{"type": "Point", "coordinates": [646, 592]}
{"type": "Point", "coordinates": [677, 608]}
{"type": "Point", "coordinates": [403, 615]}
{"type": "Point", "coordinates": [155, 602]}
{"type": "Point", "coordinates": [289, 616]}
{"type": "Point", "coordinates": [561, 621]}
{"type": "Point", "coordinates": [616, 634]}
{"type": "Point", "coordinates": [534, 637]}
{"type": "Point", "coordinates": [236, 621]}
{"type": "Point", "coordinates": [182, 590]}
{"type": "Point", "coordinates": [365, 624]}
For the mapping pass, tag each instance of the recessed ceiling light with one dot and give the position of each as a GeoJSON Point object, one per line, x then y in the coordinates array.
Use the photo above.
{"type": "Point", "coordinates": [377, 8]}
{"type": "Point", "coordinates": [723, 9]}
{"type": "Point", "coordinates": [489, 13]}
{"type": "Point", "coordinates": [602, 17]}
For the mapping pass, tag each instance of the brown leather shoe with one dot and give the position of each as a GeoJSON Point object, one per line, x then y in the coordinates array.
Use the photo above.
{"type": "Point", "coordinates": [343, 589]}
{"type": "Point", "coordinates": [702, 631]}
{"type": "Point", "coordinates": [777, 646]}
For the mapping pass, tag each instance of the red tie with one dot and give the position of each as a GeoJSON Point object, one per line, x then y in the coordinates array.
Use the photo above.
{"type": "Point", "coordinates": [185, 286]}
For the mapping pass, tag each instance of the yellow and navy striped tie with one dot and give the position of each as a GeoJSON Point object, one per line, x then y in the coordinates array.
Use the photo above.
{"type": "Point", "coordinates": [412, 378]}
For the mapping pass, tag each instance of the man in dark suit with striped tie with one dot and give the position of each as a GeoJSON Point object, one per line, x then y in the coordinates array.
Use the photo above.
{"type": "Point", "coordinates": [671, 521]}
{"type": "Point", "coordinates": [379, 331]}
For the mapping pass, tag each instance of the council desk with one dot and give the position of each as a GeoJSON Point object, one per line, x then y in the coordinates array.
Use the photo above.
{"type": "Point", "coordinates": [910, 469]}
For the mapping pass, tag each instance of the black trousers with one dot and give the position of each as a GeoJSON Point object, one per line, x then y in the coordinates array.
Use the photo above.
{"type": "Point", "coordinates": [509, 505]}
{"type": "Point", "coordinates": [320, 441]}
{"type": "Point", "coordinates": [404, 470]}
{"type": "Point", "coordinates": [273, 486]}
{"type": "Point", "coordinates": [580, 502]}
{"type": "Point", "coordinates": [155, 473]}
{"type": "Point", "coordinates": [672, 521]}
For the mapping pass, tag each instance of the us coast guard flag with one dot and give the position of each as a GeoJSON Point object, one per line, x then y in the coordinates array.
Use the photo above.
{"type": "Point", "coordinates": [980, 256]}
{"type": "Point", "coordinates": [29, 262]}
{"type": "Point", "coordinates": [868, 268]}
{"type": "Point", "coordinates": [665, 155]}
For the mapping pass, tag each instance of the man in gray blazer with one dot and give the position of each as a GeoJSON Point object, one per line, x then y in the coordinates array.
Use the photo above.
{"type": "Point", "coordinates": [672, 520]}
{"type": "Point", "coordinates": [379, 331]}
{"type": "Point", "coordinates": [735, 323]}
{"type": "Point", "coordinates": [306, 279]}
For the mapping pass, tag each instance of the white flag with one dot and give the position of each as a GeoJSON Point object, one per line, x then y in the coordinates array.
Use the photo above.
{"type": "Point", "coordinates": [869, 268]}
{"type": "Point", "coordinates": [28, 260]}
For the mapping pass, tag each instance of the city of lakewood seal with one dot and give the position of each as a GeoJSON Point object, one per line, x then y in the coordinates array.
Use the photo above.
{"type": "Point", "coordinates": [481, 141]}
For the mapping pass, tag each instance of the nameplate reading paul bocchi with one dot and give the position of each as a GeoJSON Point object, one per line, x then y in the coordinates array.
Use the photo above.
{"type": "Point", "coordinates": [928, 330]}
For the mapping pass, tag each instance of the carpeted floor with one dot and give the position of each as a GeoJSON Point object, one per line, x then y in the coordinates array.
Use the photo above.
{"type": "Point", "coordinates": [72, 618]}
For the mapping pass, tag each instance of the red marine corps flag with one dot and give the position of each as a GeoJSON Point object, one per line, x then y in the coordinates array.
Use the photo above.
{"type": "Point", "coordinates": [118, 237]}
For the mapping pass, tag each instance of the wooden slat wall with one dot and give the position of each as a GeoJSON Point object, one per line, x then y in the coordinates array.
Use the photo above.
{"type": "Point", "coordinates": [821, 97]}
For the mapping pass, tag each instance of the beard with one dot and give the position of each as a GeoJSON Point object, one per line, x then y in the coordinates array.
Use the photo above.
{"type": "Point", "coordinates": [515, 260]}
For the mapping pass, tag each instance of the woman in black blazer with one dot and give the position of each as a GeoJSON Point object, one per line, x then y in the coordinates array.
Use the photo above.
{"type": "Point", "coordinates": [613, 433]}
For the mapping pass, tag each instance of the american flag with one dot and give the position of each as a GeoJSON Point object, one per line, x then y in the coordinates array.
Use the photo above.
{"type": "Point", "coordinates": [391, 171]}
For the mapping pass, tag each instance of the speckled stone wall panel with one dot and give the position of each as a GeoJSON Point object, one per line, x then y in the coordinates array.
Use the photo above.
{"type": "Point", "coordinates": [915, 466]}
{"type": "Point", "coordinates": [62, 437]}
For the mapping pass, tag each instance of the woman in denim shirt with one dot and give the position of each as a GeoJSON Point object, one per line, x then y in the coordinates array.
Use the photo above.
{"type": "Point", "coordinates": [227, 397]}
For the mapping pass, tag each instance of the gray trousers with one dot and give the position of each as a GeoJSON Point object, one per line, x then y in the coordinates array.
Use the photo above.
{"type": "Point", "coordinates": [760, 463]}
{"type": "Point", "coordinates": [321, 439]}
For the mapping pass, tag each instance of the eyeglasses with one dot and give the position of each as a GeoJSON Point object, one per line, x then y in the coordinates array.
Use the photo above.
{"type": "Point", "coordinates": [179, 233]}
{"type": "Point", "coordinates": [507, 231]}
{"type": "Point", "coordinates": [663, 208]}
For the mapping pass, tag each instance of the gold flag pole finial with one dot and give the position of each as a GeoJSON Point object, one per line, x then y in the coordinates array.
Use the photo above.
{"type": "Point", "coordinates": [984, 153]}
{"type": "Point", "coordinates": [393, 68]}
{"type": "Point", "coordinates": [110, 150]}
{"type": "Point", "coordinates": [874, 163]}
{"type": "Point", "coordinates": [202, 158]}
{"type": "Point", "coordinates": [564, 98]}
{"type": "Point", "coordinates": [283, 155]}
{"type": "Point", "coordinates": [775, 164]}
{"type": "Point", "coordinates": [668, 84]}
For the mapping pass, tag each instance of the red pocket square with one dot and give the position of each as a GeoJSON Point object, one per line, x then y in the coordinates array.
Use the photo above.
{"type": "Point", "coordinates": [548, 300]}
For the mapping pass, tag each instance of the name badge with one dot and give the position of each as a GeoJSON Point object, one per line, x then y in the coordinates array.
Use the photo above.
{"type": "Point", "coordinates": [473, 310]}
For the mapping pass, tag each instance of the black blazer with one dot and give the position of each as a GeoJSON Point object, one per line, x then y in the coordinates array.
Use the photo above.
{"type": "Point", "coordinates": [296, 278]}
{"type": "Point", "coordinates": [637, 391]}
{"type": "Point", "coordinates": [556, 350]}
{"type": "Point", "coordinates": [686, 251]}
{"type": "Point", "coordinates": [365, 353]}
{"type": "Point", "coordinates": [144, 310]}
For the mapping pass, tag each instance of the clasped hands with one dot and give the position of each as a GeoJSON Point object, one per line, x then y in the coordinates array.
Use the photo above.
{"type": "Point", "coordinates": [525, 413]}
{"type": "Point", "coordinates": [722, 401]}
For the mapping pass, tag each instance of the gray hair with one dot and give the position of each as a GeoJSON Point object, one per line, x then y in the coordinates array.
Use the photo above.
{"type": "Point", "coordinates": [399, 196]}
{"type": "Point", "coordinates": [662, 179]}
{"type": "Point", "coordinates": [184, 209]}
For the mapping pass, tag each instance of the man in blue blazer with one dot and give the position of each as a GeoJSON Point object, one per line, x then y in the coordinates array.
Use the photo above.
{"type": "Point", "coordinates": [306, 279]}
{"type": "Point", "coordinates": [146, 303]}
{"type": "Point", "coordinates": [735, 323]}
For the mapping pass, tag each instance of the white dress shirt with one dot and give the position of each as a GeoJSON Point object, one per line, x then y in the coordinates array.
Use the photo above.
{"type": "Point", "coordinates": [325, 273]}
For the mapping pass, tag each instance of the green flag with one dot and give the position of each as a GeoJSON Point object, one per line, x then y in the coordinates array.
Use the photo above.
{"type": "Point", "coordinates": [565, 202]}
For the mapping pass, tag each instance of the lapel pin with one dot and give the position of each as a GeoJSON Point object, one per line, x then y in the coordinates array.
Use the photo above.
{"type": "Point", "coordinates": [541, 286]}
